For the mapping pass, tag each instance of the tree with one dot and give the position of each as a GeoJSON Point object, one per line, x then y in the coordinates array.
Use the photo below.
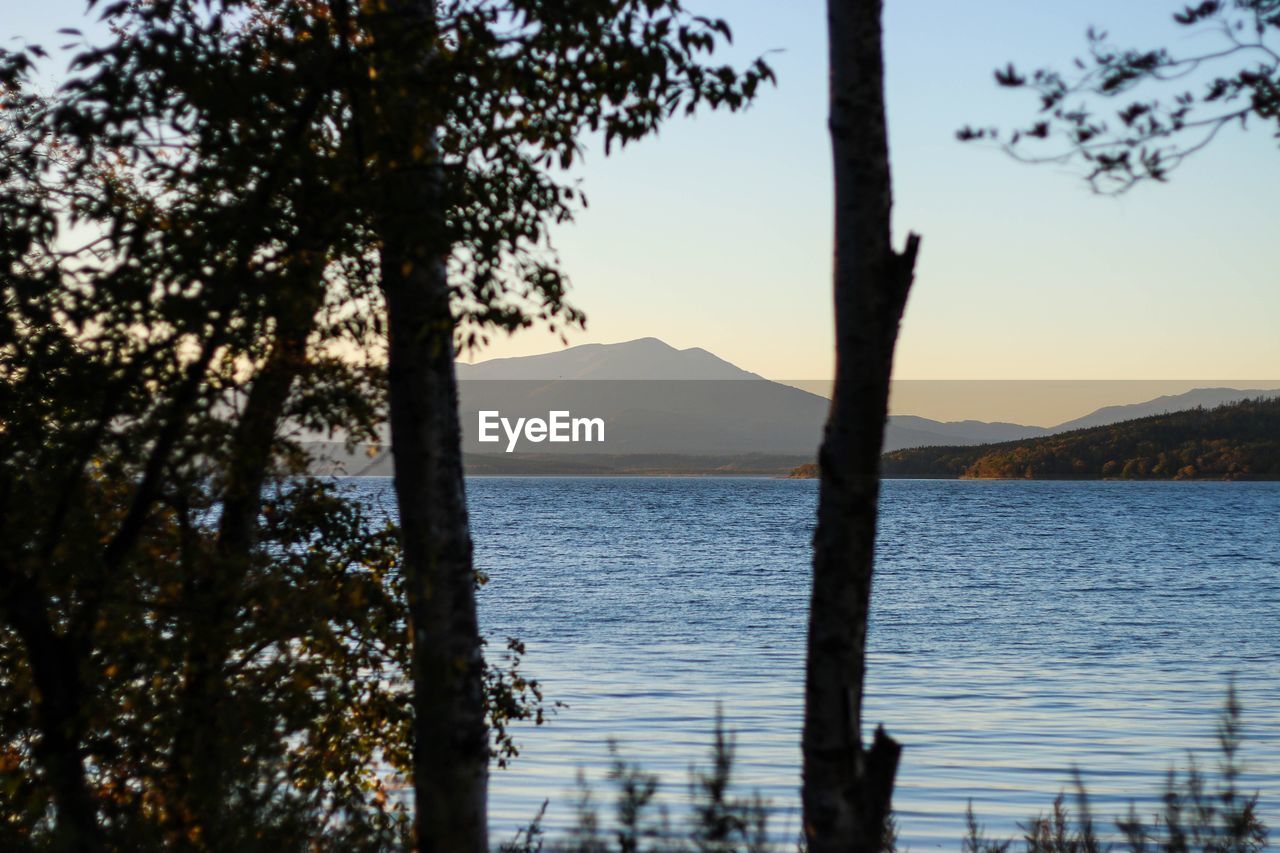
{"type": "Point", "coordinates": [1186, 99]}
{"type": "Point", "coordinates": [274, 184]}
{"type": "Point", "coordinates": [199, 646]}
{"type": "Point", "coordinates": [178, 652]}
{"type": "Point", "coordinates": [848, 787]}
{"type": "Point", "coordinates": [470, 105]}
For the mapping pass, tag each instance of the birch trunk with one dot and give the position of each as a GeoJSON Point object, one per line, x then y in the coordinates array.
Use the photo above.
{"type": "Point", "coordinates": [847, 788]}
{"type": "Point", "coordinates": [451, 749]}
{"type": "Point", "coordinates": [450, 740]}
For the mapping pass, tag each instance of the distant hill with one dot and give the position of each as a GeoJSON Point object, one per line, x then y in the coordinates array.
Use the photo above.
{"type": "Point", "coordinates": [1207, 398]}
{"type": "Point", "coordinates": [678, 401]}
{"type": "Point", "coordinates": [1236, 441]}
{"type": "Point", "coordinates": [646, 358]}
{"type": "Point", "coordinates": [692, 416]}
{"type": "Point", "coordinates": [657, 399]}
{"type": "Point", "coordinates": [912, 431]}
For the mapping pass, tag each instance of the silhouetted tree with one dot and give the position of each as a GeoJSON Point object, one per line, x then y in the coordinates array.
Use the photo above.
{"type": "Point", "coordinates": [848, 787]}
{"type": "Point", "coordinates": [197, 648]}
{"type": "Point", "coordinates": [470, 106]}
{"type": "Point", "coordinates": [1168, 104]}
{"type": "Point", "coordinates": [268, 187]}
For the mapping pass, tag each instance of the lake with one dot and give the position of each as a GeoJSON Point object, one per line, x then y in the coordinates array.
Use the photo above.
{"type": "Point", "coordinates": [1019, 629]}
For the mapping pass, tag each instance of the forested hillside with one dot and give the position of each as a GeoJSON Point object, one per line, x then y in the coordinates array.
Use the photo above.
{"type": "Point", "coordinates": [1238, 441]}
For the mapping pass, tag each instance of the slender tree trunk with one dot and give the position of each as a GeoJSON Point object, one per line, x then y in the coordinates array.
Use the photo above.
{"type": "Point", "coordinates": [451, 748]}
{"type": "Point", "coordinates": [208, 720]}
{"type": "Point", "coordinates": [848, 788]}
{"type": "Point", "coordinates": [56, 672]}
{"type": "Point", "coordinates": [450, 740]}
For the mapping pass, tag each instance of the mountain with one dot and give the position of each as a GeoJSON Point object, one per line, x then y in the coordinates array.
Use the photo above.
{"type": "Point", "coordinates": [651, 397]}
{"type": "Point", "coordinates": [663, 415]}
{"type": "Point", "coordinates": [646, 358]}
{"type": "Point", "coordinates": [913, 431]}
{"type": "Point", "coordinates": [657, 400]}
{"type": "Point", "coordinates": [1235, 441]}
{"type": "Point", "coordinates": [698, 416]}
{"type": "Point", "coordinates": [1199, 397]}
{"type": "Point", "coordinates": [678, 401]}
{"type": "Point", "coordinates": [905, 431]}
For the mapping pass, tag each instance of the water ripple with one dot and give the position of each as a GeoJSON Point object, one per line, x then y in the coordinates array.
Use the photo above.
{"type": "Point", "coordinates": [1019, 630]}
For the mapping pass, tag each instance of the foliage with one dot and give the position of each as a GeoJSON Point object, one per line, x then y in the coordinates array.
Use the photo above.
{"type": "Point", "coordinates": [1194, 819]}
{"type": "Point", "coordinates": [807, 471]}
{"type": "Point", "coordinates": [1167, 105]}
{"type": "Point", "coordinates": [1224, 820]}
{"type": "Point", "coordinates": [149, 659]}
{"type": "Point", "coordinates": [201, 647]}
{"type": "Point", "coordinates": [528, 839]}
{"type": "Point", "coordinates": [466, 108]}
{"type": "Point", "coordinates": [719, 822]}
{"type": "Point", "coordinates": [975, 840]}
{"type": "Point", "coordinates": [1237, 441]}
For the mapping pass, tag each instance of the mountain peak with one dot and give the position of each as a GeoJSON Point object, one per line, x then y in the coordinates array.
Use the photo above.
{"type": "Point", "coordinates": [1197, 397]}
{"type": "Point", "coordinates": [642, 358]}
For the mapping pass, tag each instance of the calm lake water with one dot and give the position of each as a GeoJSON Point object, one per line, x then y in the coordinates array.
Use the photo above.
{"type": "Point", "coordinates": [1019, 629]}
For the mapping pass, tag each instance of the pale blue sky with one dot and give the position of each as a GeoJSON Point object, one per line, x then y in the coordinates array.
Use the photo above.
{"type": "Point", "coordinates": [717, 233]}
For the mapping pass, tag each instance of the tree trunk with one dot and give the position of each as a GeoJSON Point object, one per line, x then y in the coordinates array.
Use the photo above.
{"type": "Point", "coordinates": [450, 740]}
{"type": "Point", "coordinates": [208, 719]}
{"type": "Point", "coordinates": [848, 788]}
{"type": "Point", "coordinates": [451, 747]}
{"type": "Point", "coordinates": [56, 673]}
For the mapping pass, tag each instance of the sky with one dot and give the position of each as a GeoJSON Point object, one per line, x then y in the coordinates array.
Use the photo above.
{"type": "Point", "coordinates": [717, 233]}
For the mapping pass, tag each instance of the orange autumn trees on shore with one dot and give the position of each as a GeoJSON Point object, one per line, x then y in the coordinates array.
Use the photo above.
{"type": "Point", "coordinates": [1239, 441]}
